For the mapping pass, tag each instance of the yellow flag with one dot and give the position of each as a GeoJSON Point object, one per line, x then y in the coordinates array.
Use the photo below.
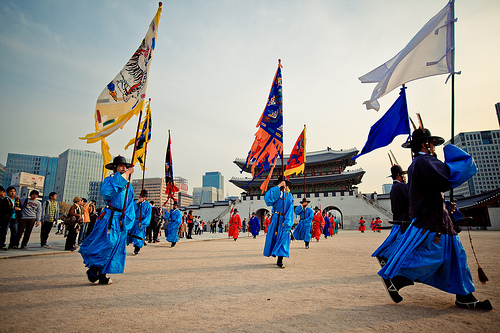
{"type": "Point", "coordinates": [143, 139]}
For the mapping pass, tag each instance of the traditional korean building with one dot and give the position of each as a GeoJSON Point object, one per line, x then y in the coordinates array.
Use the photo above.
{"type": "Point", "coordinates": [325, 171]}
{"type": "Point", "coordinates": [329, 183]}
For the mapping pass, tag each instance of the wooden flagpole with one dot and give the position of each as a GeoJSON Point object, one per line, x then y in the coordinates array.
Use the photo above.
{"type": "Point", "coordinates": [130, 176]}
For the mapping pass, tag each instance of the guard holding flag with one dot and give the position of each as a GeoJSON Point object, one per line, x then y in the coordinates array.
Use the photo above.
{"type": "Point", "coordinates": [104, 250]}
{"type": "Point", "coordinates": [430, 251]}
{"type": "Point", "coordinates": [142, 219]}
{"type": "Point", "coordinates": [278, 237]}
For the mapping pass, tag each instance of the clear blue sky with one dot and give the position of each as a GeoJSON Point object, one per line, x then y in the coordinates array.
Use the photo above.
{"type": "Point", "coordinates": [213, 67]}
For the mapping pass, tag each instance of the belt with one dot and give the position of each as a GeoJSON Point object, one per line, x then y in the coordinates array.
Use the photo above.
{"type": "Point", "coordinates": [278, 213]}
{"type": "Point", "coordinates": [114, 209]}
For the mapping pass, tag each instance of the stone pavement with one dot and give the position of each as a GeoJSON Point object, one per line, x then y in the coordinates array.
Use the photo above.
{"type": "Point", "coordinates": [57, 242]}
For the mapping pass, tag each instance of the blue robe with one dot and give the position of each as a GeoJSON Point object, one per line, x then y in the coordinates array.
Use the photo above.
{"type": "Point", "coordinates": [278, 245]}
{"type": "Point", "coordinates": [103, 249]}
{"type": "Point", "coordinates": [254, 225]}
{"type": "Point", "coordinates": [430, 250]}
{"type": "Point", "coordinates": [326, 229]}
{"type": "Point", "coordinates": [336, 229]}
{"type": "Point", "coordinates": [142, 216]}
{"type": "Point", "coordinates": [400, 207]}
{"type": "Point", "coordinates": [173, 219]}
{"type": "Point", "coordinates": [303, 229]}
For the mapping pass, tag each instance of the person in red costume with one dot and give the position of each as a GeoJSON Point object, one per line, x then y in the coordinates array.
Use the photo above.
{"type": "Point", "coordinates": [235, 225]}
{"type": "Point", "coordinates": [316, 224]}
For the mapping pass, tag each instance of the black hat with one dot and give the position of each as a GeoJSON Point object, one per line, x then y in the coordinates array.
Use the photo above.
{"type": "Point", "coordinates": [235, 210]}
{"type": "Point", "coordinates": [316, 208]}
{"type": "Point", "coordinates": [117, 161]}
{"type": "Point", "coordinates": [396, 171]}
{"type": "Point", "coordinates": [304, 200]}
{"type": "Point", "coordinates": [253, 213]}
{"type": "Point", "coordinates": [144, 192]}
{"type": "Point", "coordinates": [280, 179]}
{"type": "Point", "coordinates": [420, 136]}
{"type": "Point", "coordinates": [175, 203]}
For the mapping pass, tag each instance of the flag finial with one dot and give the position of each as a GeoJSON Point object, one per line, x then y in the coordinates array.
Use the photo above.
{"type": "Point", "coordinates": [279, 63]}
{"type": "Point", "coordinates": [160, 3]}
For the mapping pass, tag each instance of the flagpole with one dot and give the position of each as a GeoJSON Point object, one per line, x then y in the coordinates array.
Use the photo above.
{"type": "Point", "coordinates": [304, 164]}
{"type": "Point", "coordinates": [452, 141]}
{"type": "Point", "coordinates": [130, 175]}
{"type": "Point", "coordinates": [282, 158]}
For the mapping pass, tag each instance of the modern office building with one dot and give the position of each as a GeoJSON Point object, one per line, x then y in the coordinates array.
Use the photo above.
{"type": "Point", "coordinates": [183, 198]}
{"type": "Point", "coordinates": [386, 188]}
{"type": "Point", "coordinates": [38, 165]}
{"type": "Point", "coordinates": [214, 179]}
{"type": "Point", "coordinates": [2, 172]}
{"type": "Point", "coordinates": [76, 170]}
{"type": "Point", "coordinates": [497, 108]}
{"type": "Point", "coordinates": [154, 186]}
{"type": "Point", "coordinates": [203, 195]}
{"type": "Point", "coordinates": [484, 147]}
{"type": "Point", "coordinates": [95, 193]}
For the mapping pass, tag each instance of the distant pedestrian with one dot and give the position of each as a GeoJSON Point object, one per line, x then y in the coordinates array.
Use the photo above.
{"type": "Point", "coordinates": [173, 221]}
{"type": "Point", "coordinates": [361, 225]}
{"type": "Point", "coordinates": [75, 216]}
{"type": "Point", "coordinates": [234, 225]}
{"type": "Point", "coordinates": [303, 229]}
{"type": "Point", "coordinates": [190, 224]}
{"type": "Point", "coordinates": [316, 224]}
{"type": "Point", "coordinates": [50, 214]}
{"type": "Point", "coordinates": [31, 214]}
{"type": "Point", "coordinates": [10, 213]}
{"type": "Point", "coordinates": [254, 225]}
{"type": "Point", "coordinates": [266, 222]}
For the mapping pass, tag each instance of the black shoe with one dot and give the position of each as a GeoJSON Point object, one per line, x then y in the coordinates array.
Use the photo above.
{"type": "Point", "coordinates": [91, 276]}
{"type": "Point", "coordinates": [105, 280]}
{"type": "Point", "coordinates": [280, 265]}
{"type": "Point", "coordinates": [307, 246]}
{"type": "Point", "coordinates": [392, 291]}
{"type": "Point", "coordinates": [484, 305]}
{"type": "Point", "coordinates": [381, 261]}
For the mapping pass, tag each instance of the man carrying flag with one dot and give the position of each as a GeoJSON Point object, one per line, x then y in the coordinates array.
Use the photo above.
{"type": "Point", "coordinates": [104, 250]}
{"type": "Point", "coordinates": [278, 237]}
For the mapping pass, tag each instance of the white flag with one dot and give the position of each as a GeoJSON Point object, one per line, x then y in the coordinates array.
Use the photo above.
{"type": "Point", "coordinates": [430, 52]}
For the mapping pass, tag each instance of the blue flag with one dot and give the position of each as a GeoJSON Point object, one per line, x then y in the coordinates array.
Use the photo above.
{"type": "Point", "coordinates": [394, 122]}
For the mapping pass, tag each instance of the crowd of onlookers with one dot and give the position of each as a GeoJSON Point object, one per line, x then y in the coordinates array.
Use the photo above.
{"type": "Point", "coordinates": [21, 215]}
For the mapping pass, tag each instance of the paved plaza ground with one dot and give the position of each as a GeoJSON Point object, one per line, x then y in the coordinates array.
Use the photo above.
{"type": "Point", "coordinates": [224, 286]}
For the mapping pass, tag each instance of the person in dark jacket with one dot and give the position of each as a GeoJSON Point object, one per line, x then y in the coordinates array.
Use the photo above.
{"type": "Point", "coordinates": [430, 251]}
{"type": "Point", "coordinates": [400, 206]}
{"type": "Point", "coordinates": [10, 213]}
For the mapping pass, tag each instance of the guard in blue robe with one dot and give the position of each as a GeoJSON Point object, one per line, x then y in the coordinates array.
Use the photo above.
{"type": "Point", "coordinates": [400, 206]}
{"type": "Point", "coordinates": [303, 229]}
{"type": "Point", "coordinates": [142, 219]}
{"type": "Point", "coordinates": [278, 236]}
{"type": "Point", "coordinates": [104, 250]}
{"type": "Point", "coordinates": [254, 225]}
{"type": "Point", "coordinates": [430, 251]}
{"type": "Point", "coordinates": [173, 219]}
{"type": "Point", "coordinates": [326, 228]}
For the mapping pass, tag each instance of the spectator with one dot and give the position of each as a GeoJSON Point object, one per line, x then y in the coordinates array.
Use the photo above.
{"type": "Point", "coordinates": [31, 213]}
{"type": "Point", "coordinates": [72, 224]}
{"type": "Point", "coordinates": [10, 213]}
{"type": "Point", "coordinates": [190, 224]}
{"type": "Point", "coordinates": [221, 223]}
{"type": "Point", "coordinates": [50, 214]}
{"type": "Point", "coordinates": [2, 193]}
{"type": "Point", "coordinates": [93, 217]}
{"type": "Point", "coordinates": [196, 224]}
{"type": "Point", "coordinates": [154, 226]}
{"type": "Point", "coordinates": [86, 220]}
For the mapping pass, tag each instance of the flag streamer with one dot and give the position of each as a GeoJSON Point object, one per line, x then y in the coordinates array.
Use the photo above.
{"type": "Point", "coordinates": [297, 159]}
{"type": "Point", "coordinates": [143, 139]}
{"type": "Point", "coordinates": [123, 97]}
{"type": "Point", "coordinates": [169, 173]}
{"type": "Point", "coordinates": [393, 123]}
{"type": "Point", "coordinates": [268, 144]}
{"type": "Point", "coordinates": [430, 52]}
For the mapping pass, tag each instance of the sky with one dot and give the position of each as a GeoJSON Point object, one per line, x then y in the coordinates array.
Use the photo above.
{"type": "Point", "coordinates": [213, 67]}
